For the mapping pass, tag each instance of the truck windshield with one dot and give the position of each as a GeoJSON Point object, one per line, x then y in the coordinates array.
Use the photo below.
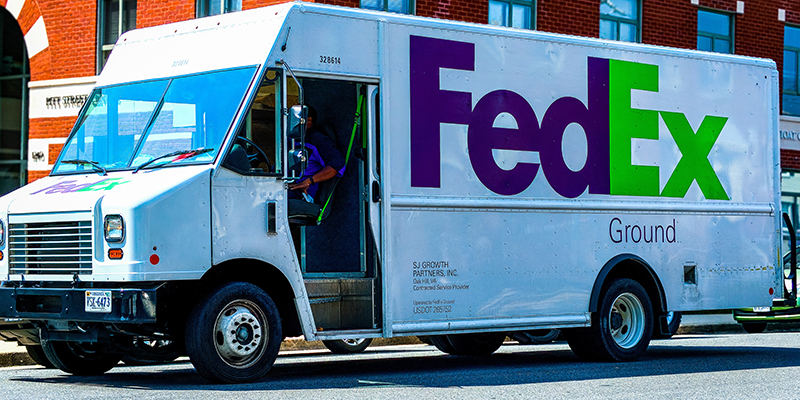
{"type": "Point", "coordinates": [126, 126]}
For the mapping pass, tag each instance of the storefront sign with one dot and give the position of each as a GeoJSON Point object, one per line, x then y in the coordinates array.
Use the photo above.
{"type": "Point", "coordinates": [790, 133]}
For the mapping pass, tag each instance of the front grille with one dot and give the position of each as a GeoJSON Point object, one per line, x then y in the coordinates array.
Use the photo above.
{"type": "Point", "coordinates": [52, 248]}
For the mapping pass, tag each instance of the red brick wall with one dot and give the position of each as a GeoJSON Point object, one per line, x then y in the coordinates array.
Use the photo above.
{"type": "Point", "coordinates": [34, 175]}
{"type": "Point", "coordinates": [457, 10]}
{"type": "Point", "coordinates": [53, 151]}
{"type": "Point", "coordinates": [51, 127]}
{"type": "Point", "coordinates": [159, 12]}
{"type": "Point", "coordinates": [790, 159]}
{"type": "Point", "coordinates": [670, 23]}
{"type": "Point", "coordinates": [72, 34]}
{"type": "Point", "coordinates": [759, 33]}
{"type": "Point", "coordinates": [572, 17]}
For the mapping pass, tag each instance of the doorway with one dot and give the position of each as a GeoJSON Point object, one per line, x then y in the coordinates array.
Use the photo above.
{"type": "Point", "coordinates": [14, 77]}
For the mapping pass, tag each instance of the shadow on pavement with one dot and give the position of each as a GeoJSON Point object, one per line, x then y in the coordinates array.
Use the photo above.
{"type": "Point", "coordinates": [429, 368]}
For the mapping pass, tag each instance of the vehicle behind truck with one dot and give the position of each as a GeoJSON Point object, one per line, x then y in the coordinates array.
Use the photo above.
{"type": "Point", "coordinates": [497, 182]}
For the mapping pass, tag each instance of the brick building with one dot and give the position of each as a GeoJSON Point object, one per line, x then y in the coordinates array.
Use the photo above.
{"type": "Point", "coordinates": [53, 50]}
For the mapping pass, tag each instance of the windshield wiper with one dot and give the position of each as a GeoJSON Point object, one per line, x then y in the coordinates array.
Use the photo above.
{"type": "Point", "coordinates": [95, 165]}
{"type": "Point", "coordinates": [187, 153]}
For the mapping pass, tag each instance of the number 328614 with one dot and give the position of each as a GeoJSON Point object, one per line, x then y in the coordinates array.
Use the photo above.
{"type": "Point", "coordinates": [330, 60]}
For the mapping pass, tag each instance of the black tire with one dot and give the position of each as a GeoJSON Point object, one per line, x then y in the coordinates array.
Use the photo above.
{"type": "Point", "coordinates": [82, 359]}
{"type": "Point", "coordinates": [442, 342]}
{"type": "Point", "coordinates": [621, 328]}
{"type": "Point", "coordinates": [36, 353]}
{"type": "Point", "coordinates": [754, 327]}
{"type": "Point", "coordinates": [425, 339]}
{"type": "Point", "coordinates": [347, 346]}
{"type": "Point", "coordinates": [673, 323]}
{"type": "Point", "coordinates": [233, 336]}
{"type": "Point", "coordinates": [579, 343]}
{"type": "Point", "coordinates": [477, 344]}
{"type": "Point", "coordinates": [538, 336]}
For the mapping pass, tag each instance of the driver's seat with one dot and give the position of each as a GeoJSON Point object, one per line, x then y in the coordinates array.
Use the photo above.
{"type": "Point", "coordinates": [302, 212]}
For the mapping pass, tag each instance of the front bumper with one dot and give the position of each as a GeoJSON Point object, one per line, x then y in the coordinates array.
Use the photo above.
{"type": "Point", "coordinates": [135, 306]}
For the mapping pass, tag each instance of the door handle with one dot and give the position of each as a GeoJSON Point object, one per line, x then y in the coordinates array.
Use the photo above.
{"type": "Point", "coordinates": [376, 192]}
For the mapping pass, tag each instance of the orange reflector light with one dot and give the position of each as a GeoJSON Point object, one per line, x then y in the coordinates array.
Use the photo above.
{"type": "Point", "coordinates": [2, 256]}
{"type": "Point", "coordinates": [115, 254]}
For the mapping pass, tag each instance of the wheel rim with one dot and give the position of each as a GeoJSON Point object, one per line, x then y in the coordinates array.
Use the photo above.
{"type": "Point", "coordinates": [241, 333]}
{"type": "Point", "coordinates": [353, 342]}
{"type": "Point", "coordinates": [626, 320]}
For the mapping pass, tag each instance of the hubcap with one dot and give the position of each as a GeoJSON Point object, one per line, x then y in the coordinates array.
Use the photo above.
{"type": "Point", "coordinates": [240, 333]}
{"type": "Point", "coordinates": [626, 320]}
{"type": "Point", "coordinates": [353, 342]}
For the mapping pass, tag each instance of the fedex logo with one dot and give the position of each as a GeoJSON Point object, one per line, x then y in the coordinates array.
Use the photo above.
{"type": "Point", "coordinates": [609, 122]}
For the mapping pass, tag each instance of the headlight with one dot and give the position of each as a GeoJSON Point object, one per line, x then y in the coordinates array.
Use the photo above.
{"type": "Point", "coordinates": [2, 232]}
{"type": "Point", "coordinates": [114, 228]}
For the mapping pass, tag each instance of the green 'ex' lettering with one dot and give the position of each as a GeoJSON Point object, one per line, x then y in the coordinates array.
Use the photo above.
{"type": "Point", "coordinates": [105, 184]}
{"type": "Point", "coordinates": [694, 164]}
{"type": "Point", "coordinates": [626, 123]}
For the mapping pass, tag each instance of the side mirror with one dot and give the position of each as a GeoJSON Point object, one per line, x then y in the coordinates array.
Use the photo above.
{"type": "Point", "coordinates": [295, 135]}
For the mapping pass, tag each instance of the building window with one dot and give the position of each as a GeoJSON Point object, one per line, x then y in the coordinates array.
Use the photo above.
{"type": "Point", "coordinates": [513, 13]}
{"type": "Point", "coordinates": [791, 60]}
{"type": "Point", "coordinates": [714, 31]}
{"type": "Point", "coordinates": [619, 20]}
{"type": "Point", "coordinates": [396, 6]}
{"type": "Point", "coordinates": [114, 18]}
{"type": "Point", "coordinates": [216, 7]}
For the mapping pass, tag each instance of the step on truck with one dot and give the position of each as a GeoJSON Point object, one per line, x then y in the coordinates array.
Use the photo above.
{"type": "Point", "coordinates": [496, 181]}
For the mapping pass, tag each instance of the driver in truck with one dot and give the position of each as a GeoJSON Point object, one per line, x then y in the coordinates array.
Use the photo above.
{"type": "Point", "coordinates": [325, 162]}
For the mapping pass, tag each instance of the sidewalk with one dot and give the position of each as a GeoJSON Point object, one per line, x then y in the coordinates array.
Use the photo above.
{"type": "Point", "coordinates": [12, 354]}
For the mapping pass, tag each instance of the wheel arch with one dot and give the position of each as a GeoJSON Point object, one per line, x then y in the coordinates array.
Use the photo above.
{"type": "Point", "coordinates": [633, 267]}
{"type": "Point", "coordinates": [266, 276]}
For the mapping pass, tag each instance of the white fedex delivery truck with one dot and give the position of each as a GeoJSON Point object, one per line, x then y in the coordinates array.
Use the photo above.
{"type": "Point", "coordinates": [496, 181]}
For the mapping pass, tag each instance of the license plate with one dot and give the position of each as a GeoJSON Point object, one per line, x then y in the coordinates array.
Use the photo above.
{"type": "Point", "coordinates": [98, 301]}
{"type": "Point", "coordinates": [760, 309]}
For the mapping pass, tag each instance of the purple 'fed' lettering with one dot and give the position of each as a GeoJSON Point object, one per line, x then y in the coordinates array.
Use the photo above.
{"type": "Point", "coordinates": [431, 106]}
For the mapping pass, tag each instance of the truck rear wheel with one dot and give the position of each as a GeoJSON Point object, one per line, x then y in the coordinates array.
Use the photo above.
{"type": "Point", "coordinates": [754, 327]}
{"type": "Point", "coordinates": [469, 344]}
{"type": "Point", "coordinates": [79, 358]}
{"type": "Point", "coordinates": [442, 342]}
{"type": "Point", "coordinates": [347, 346]}
{"type": "Point", "coordinates": [234, 335]}
{"type": "Point", "coordinates": [621, 328]}
{"type": "Point", "coordinates": [477, 344]}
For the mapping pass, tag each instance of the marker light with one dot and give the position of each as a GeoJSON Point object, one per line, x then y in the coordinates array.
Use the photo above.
{"type": "Point", "coordinates": [115, 254]}
{"type": "Point", "coordinates": [114, 228]}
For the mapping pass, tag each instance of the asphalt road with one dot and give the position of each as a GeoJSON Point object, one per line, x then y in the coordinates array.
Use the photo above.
{"type": "Point", "coordinates": [687, 366]}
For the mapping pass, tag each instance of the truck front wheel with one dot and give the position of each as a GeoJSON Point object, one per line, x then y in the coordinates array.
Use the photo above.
{"type": "Point", "coordinates": [234, 335]}
{"type": "Point", "coordinates": [621, 328]}
{"type": "Point", "coordinates": [79, 358]}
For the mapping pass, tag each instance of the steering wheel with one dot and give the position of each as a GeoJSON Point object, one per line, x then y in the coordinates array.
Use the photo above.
{"type": "Point", "coordinates": [259, 155]}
